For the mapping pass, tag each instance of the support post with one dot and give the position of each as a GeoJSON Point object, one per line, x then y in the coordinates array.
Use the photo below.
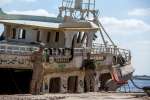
{"type": "Point", "coordinates": [38, 74]}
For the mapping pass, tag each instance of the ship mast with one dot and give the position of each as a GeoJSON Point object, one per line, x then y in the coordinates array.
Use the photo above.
{"type": "Point", "coordinates": [84, 10]}
{"type": "Point", "coordinates": [77, 9]}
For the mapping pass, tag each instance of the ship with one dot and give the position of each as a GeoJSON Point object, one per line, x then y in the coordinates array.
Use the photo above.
{"type": "Point", "coordinates": [40, 54]}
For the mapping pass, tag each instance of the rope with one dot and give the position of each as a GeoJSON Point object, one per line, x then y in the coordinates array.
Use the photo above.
{"type": "Point", "coordinates": [101, 28]}
{"type": "Point", "coordinates": [106, 33]}
{"type": "Point", "coordinates": [102, 37]}
{"type": "Point", "coordinates": [135, 84]}
{"type": "Point", "coordinates": [125, 88]}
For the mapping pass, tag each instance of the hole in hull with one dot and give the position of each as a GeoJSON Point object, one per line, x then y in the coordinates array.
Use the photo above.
{"type": "Point", "coordinates": [15, 81]}
{"type": "Point", "coordinates": [55, 85]}
{"type": "Point", "coordinates": [72, 84]}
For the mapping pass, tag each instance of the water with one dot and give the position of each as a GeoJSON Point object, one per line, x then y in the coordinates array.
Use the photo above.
{"type": "Point", "coordinates": [131, 88]}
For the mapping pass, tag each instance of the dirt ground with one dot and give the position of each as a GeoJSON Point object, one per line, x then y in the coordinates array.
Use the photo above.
{"type": "Point", "coordinates": [83, 96]}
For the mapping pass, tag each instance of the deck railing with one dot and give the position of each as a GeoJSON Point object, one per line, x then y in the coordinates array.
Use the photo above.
{"type": "Point", "coordinates": [17, 49]}
{"type": "Point", "coordinates": [102, 49]}
{"type": "Point", "coordinates": [65, 52]}
{"type": "Point", "coordinates": [110, 49]}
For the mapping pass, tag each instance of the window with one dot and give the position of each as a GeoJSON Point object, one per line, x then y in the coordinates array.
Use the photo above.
{"type": "Point", "coordinates": [57, 37]}
{"type": "Point", "coordinates": [38, 36]}
{"type": "Point", "coordinates": [48, 36]}
{"type": "Point", "coordinates": [79, 37]}
{"type": "Point", "coordinates": [22, 34]}
{"type": "Point", "coordinates": [13, 33]}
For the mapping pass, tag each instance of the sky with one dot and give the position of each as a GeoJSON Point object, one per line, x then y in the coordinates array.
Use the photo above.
{"type": "Point", "coordinates": [126, 21]}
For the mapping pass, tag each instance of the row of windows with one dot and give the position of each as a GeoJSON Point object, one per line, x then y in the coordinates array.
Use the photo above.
{"type": "Point", "coordinates": [48, 37]}
{"type": "Point", "coordinates": [22, 35]}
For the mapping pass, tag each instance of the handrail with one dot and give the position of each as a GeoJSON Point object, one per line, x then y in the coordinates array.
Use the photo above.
{"type": "Point", "coordinates": [110, 49]}
{"type": "Point", "coordinates": [61, 52]}
{"type": "Point", "coordinates": [17, 49]}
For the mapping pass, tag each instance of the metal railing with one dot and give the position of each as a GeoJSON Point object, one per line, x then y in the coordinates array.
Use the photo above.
{"type": "Point", "coordinates": [110, 49]}
{"type": "Point", "coordinates": [102, 49]}
{"type": "Point", "coordinates": [63, 52]}
{"type": "Point", "coordinates": [17, 49]}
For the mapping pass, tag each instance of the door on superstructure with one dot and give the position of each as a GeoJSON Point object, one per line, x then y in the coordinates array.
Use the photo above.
{"type": "Point", "coordinates": [72, 84]}
{"type": "Point", "coordinates": [55, 85]}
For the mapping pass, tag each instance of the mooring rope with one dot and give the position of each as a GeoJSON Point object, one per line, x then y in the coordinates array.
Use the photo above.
{"type": "Point", "coordinates": [135, 84]}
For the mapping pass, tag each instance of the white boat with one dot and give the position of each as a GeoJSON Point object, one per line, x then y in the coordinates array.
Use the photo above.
{"type": "Point", "coordinates": [58, 54]}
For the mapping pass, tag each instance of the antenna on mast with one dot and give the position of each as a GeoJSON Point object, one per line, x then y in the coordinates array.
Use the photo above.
{"type": "Point", "coordinates": [77, 9]}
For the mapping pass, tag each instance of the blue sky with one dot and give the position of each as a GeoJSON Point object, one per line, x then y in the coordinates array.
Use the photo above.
{"type": "Point", "coordinates": [127, 22]}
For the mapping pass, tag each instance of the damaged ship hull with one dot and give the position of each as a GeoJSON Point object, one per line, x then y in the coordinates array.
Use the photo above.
{"type": "Point", "coordinates": [58, 54]}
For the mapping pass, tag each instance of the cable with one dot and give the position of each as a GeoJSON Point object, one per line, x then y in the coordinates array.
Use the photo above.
{"type": "Point", "coordinates": [106, 33]}
{"type": "Point", "coordinates": [102, 37]}
{"type": "Point", "coordinates": [101, 28]}
{"type": "Point", "coordinates": [135, 84]}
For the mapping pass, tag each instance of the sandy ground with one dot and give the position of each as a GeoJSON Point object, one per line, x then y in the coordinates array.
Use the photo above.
{"type": "Point", "coordinates": [84, 96]}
